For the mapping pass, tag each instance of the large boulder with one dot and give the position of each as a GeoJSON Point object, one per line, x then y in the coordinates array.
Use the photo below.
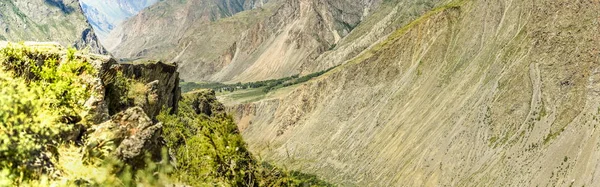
{"type": "Point", "coordinates": [130, 136]}
{"type": "Point", "coordinates": [205, 102]}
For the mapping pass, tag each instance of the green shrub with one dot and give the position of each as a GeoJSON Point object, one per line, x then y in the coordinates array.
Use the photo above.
{"type": "Point", "coordinates": [210, 151]}
{"type": "Point", "coordinates": [25, 126]}
{"type": "Point", "coordinates": [40, 98]}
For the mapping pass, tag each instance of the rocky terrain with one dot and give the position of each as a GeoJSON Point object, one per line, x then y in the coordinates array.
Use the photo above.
{"type": "Point", "coordinates": [65, 114]}
{"type": "Point", "coordinates": [389, 93]}
{"type": "Point", "coordinates": [105, 15]}
{"type": "Point", "coordinates": [469, 93]}
{"type": "Point", "coordinates": [214, 42]}
{"type": "Point", "coordinates": [59, 21]}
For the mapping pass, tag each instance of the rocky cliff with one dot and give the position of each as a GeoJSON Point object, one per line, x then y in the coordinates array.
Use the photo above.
{"type": "Point", "coordinates": [65, 114]}
{"type": "Point", "coordinates": [469, 93]}
{"type": "Point", "coordinates": [68, 99]}
{"type": "Point", "coordinates": [47, 20]}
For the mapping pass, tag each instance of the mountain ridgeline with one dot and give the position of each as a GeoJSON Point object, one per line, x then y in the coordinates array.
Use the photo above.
{"type": "Point", "coordinates": [59, 21]}
{"type": "Point", "coordinates": [213, 42]}
{"type": "Point", "coordinates": [105, 15]}
{"type": "Point", "coordinates": [422, 93]}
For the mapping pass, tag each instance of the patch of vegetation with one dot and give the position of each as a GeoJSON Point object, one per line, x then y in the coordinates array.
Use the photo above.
{"type": "Point", "coordinates": [211, 146]}
{"type": "Point", "coordinates": [552, 135]}
{"type": "Point", "coordinates": [40, 98]}
{"type": "Point", "coordinates": [124, 92]}
{"type": "Point", "coordinates": [267, 85]}
{"type": "Point", "coordinates": [17, 11]}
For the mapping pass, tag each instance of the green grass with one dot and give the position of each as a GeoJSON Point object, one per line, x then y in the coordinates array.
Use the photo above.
{"type": "Point", "coordinates": [248, 93]}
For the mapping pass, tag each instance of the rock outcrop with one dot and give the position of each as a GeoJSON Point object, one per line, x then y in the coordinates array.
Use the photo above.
{"type": "Point", "coordinates": [133, 135]}
{"type": "Point", "coordinates": [132, 131]}
{"type": "Point", "coordinates": [205, 102]}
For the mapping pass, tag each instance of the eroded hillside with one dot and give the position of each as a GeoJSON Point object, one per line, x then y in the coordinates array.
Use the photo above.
{"type": "Point", "coordinates": [471, 93]}
{"type": "Point", "coordinates": [271, 39]}
{"type": "Point", "coordinates": [59, 21]}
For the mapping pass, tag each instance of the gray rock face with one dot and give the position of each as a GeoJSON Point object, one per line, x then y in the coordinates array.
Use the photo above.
{"type": "Point", "coordinates": [162, 83]}
{"type": "Point", "coordinates": [131, 133]}
{"type": "Point", "coordinates": [138, 135]}
{"type": "Point", "coordinates": [129, 136]}
{"type": "Point", "coordinates": [205, 102]}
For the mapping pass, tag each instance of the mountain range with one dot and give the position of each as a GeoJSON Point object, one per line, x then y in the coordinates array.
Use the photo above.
{"type": "Point", "coordinates": [105, 15]}
{"type": "Point", "coordinates": [422, 93]}
{"type": "Point", "coordinates": [213, 42]}
{"type": "Point", "coordinates": [47, 20]}
{"type": "Point", "coordinates": [355, 92]}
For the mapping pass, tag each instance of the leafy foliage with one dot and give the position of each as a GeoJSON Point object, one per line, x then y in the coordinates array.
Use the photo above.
{"type": "Point", "coordinates": [124, 92]}
{"type": "Point", "coordinates": [40, 97]}
{"type": "Point", "coordinates": [211, 147]}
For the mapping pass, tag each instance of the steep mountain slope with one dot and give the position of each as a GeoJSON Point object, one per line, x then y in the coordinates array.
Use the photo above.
{"type": "Point", "coordinates": [47, 20]}
{"type": "Point", "coordinates": [472, 93]}
{"type": "Point", "coordinates": [167, 29]}
{"type": "Point", "coordinates": [279, 39]}
{"type": "Point", "coordinates": [106, 14]}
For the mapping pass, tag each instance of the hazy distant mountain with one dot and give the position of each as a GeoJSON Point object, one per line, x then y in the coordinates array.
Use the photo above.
{"type": "Point", "coordinates": [106, 14]}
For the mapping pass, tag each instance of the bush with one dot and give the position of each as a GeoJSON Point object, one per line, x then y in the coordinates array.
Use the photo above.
{"type": "Point", "coordinates": [40, 98]}
{"type": "Point", "coordinates": [210, 147]}
{"type": "Point", "coordinates": [210, 151]}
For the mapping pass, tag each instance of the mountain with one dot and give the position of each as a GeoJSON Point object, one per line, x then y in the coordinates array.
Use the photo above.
{"type": "Point", "coordinates": [68, 113]}
{"type": "Point", "coordinates": [395, 92]}
{"type": "Point", "coordinates": [214, 41]}
{"type": "Point", "coordinates": [106, 14]}
{"type": "Point", "coordinates": [60, 21]}
{"type": "Point", "coordinates": [464, 93]}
